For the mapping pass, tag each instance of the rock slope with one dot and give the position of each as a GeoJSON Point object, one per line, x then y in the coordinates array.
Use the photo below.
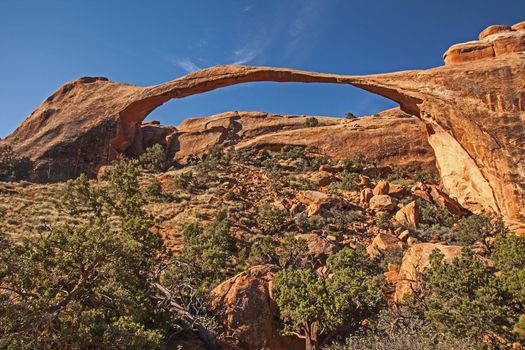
{"type": "Point", "coordinates": [391, 137]}
{"type": "Point", "coordinates": [474, 112]}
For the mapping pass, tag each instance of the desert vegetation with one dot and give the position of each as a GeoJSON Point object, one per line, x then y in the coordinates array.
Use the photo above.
{"type": "Point", "coordinates": [138, 259]}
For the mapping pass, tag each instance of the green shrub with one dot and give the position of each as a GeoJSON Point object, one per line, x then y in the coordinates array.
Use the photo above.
{"type": "Point", "coordinates": [12, 167]}
{"type": "Point", "coordinates": [383, 221]}
{"type": "Point", "coordinates": [271, 220]}
{"type": "Point", "coordinates": [478, 227]}
{"type": "Point", "coordinates": [184, 181]}
{"type": "Point", "coordinates": [154, 191]}
{"type": "Point", "coordinates": [403, 331]}
{"type": "Point", "coordinates": [209, 251]}
{"type": "Point", "coordinates": [349, 181]}
{"type": "Point", "coordinates": [311, 122]}
{"type": "Point", "coordinates": [293, 252]}
{"type": "Point", "coordinates": [154, 159]}
{"type": "Point", "coordinates": [263, 252]}
{"type": "Point", "coordinates": [433, 215]}
{"type": "Point", "coordinates": [350, 115]}
{"type": "Point", "coordinates": [356, 164]}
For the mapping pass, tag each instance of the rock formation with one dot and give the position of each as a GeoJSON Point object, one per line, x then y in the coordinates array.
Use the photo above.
{"type": "Point", "coordinates": [250, 312]}
{"type": "Point", "coordinates": [473, 109]}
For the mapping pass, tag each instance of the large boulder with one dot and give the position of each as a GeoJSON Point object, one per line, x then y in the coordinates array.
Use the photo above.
{"type": "Point", "coordinates": [382, 187]}
{"type": "Point", "coordinates": [408, 216]}
{"type": "Point", "coordinates": [416, 261]}
{"type": "Point", "coordinates": [250, 312]}
{"type": "Point", "coordinates": [382, 202]}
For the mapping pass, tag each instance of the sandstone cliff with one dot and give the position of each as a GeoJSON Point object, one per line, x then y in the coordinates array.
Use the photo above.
{"type": "Point", "coordinates": [473, 109]}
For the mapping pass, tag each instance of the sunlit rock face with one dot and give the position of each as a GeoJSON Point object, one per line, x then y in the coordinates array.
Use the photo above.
{"type": "Point", "coordinates": [473, 110]}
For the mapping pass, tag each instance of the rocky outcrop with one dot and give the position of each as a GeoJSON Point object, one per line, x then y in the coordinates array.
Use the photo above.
{"type": "Point", "coordinates": [494, 41]}
{"type": "Point", "coordinates": [474, 114]}
{"type": "Point", "coordinates": [249, 311]}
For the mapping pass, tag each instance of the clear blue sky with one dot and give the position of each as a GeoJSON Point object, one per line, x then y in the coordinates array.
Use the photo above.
{"type": "Point", "coordinates": [46, 43]}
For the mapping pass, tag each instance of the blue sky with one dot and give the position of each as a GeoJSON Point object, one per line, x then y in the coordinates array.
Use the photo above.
{"type": "Point", "coordinates": [46, 43]}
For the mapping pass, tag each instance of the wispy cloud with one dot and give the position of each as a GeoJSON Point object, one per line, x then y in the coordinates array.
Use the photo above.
{"type": "Point", "coordinates": [299, 29]}
{"type": "Point", "coordinates": [245, 55]}
{"type": "Point", "coordinates": [185, 64]}
{"type": "Point", "coordinates": [247, 8]}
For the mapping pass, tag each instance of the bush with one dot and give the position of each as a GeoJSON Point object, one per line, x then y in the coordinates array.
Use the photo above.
{"type": "Point", "coordinates": [350, 115]}
{"type": "Point", "coordinates": [311, 122]}
{"type": "Point", "coordinates": [349, 181]}
{"type": "Point", "coordinates": [154, 191]}
{"type": "Point", "coordinates": [12, 167]}
{"type": "Point", "coordinates": [209, 251]}
{"type": "Point", "coordinates": [271, 220]}
{"type": "Point", "coordinates": [154, 159]}
{"type": "Point", "coordinates": [356, 164]}
{"type": "Point", "coordinates": [478, 227]}
{"type": "Point", "coordinates": [383, 221]}
{"type": "Point", "coordinates": [403, 331]}
{"type": "Point", "coordinates": [184, 181]}
{"type": "Point", "coordinates": [433, 215]}
{"type": "Point", "coordinates": [263, 252]}
{"type": "Point", "coordinates": [293, 252]}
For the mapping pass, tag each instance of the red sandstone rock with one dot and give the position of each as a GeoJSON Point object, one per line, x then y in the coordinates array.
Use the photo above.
{"type": "Point", "coordinates": [246, 302]}
{"type": "Point", "coordinates": [495, 29]}
{"type": "Point", "coordinates": [473, 113]}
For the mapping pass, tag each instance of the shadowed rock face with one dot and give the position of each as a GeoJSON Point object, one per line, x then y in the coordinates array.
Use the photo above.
{"type": "Point", "coordinates": [474, 114]}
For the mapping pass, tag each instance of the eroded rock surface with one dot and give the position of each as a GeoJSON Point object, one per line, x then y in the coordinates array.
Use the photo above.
{"type": "Point", "coordinates": [474, 115]}
{"type": "Point", "coordinates": [250, 313]}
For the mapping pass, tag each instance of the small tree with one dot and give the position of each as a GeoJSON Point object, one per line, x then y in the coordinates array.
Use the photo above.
{"type": "Point", "coordinates": [154, 159]}
{"type": "Point", "coordinates": [350, 115]}
{"type": "Point", "coordinates": [271, 220]}
{"type": "Point", "coordinates": [311, 122]}
{"type": "Point", "coordinates": [209, 251]}
{"type": "Point", "coordinates": [312, 305]}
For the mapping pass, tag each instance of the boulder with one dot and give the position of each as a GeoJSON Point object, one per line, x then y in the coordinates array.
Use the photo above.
{"type": "Point", "coordinates": [331, 169]}
{"type": "Point", "coordinates": [364, 181]}
{"type": "Point", "coordinates": [322, 178]}
{"type": "Point", "coordinates": [494, 29]}
{"type": "Point", "coordinates": [382, 187]}
{"type": "Point", "coordinates": [408, 216]}
{"type": "Point", "coordinates": [249, 311]}
{"type": "Point", "coordinates": [365, 196]}
{"type": "Point", "coordinates": [319, 247]}
{"type": "Point", "coordinates": [444, 201]}
{"type": "Point", "coordinates": [313, 197]}
{"type": "Point", "coordinates": [387, 242]}
{"type": "Point", "coordinates": [466, 52]}
{"type": "Point", "coordinates": [507, 42]}
{"type": "Point", "coordinates": [397, 191]}
{"type": "Point", "coordinates": [382, 202]}
{"type": "Point", "coordinates": [416, 261]}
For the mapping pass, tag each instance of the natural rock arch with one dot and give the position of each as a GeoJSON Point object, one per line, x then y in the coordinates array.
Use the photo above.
{"type": "Point", "coordinates": [474, 113]}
